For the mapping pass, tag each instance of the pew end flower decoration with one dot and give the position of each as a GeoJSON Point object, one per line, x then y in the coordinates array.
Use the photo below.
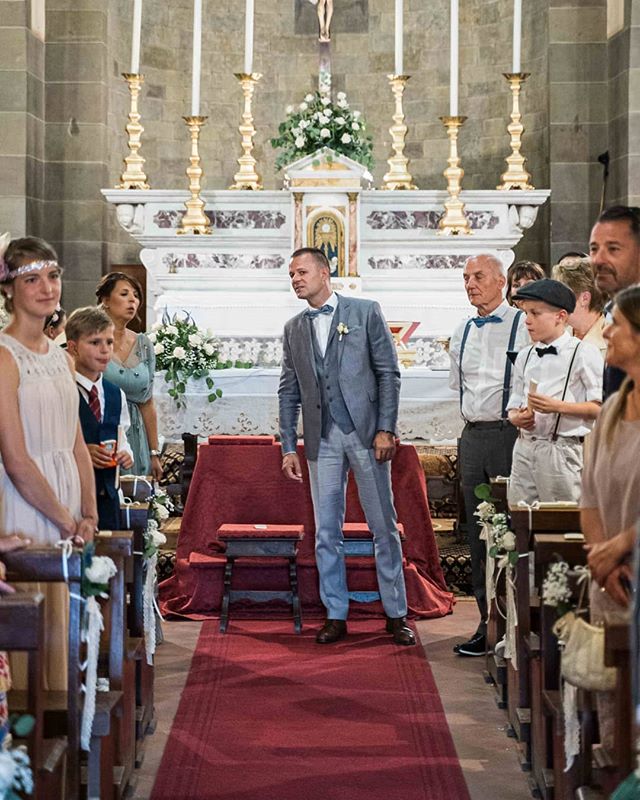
{"type": "Point", "coordinates": [501, 539]}
{"type": "Point", "coordinates": [16, 775]}
{"type": "Point", "coordinates": [318, 122]}
{"type": "Point", "coordinates": [97, 571]}
{"type": "Point", "coordinates": [160, 508]}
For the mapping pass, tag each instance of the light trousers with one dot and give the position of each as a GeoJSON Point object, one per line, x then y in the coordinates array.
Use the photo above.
{"type": "Point", "coordinates": [545, 470]}
{"type": "Point", "coordinates": [338, 453]}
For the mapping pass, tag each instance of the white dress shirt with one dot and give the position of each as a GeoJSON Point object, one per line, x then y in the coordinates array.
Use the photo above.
{"type": "Point", "coordinates": [550, 373]}
{"type": "Point", "coordinates": [85, 385]}
{"type": "Point", "coordinates": [483, 363]}
{"type": "Point", "coordinates": [322, 323]}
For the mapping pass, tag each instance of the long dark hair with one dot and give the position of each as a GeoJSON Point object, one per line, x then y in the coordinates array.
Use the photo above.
{"type": "Point", "coordinates": [108, 284]}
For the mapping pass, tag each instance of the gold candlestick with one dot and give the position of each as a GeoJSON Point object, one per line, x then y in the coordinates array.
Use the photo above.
{"type": "Point", "coordinates": [516, 176]}
{"type": "Point", "coordinates": [453, 221]}
{"type": "Point", "coordinates": [194, 220]}
{"type": "Point", "coordinates": [247, 177]}
{"type": "Point", "coordinates": [398, 176]}
{"type": "Point", "coordinates": [133, 176]}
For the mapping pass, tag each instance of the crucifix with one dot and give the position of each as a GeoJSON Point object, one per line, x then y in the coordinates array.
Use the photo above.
{"type": "Point", "coordinates": [324, 11]}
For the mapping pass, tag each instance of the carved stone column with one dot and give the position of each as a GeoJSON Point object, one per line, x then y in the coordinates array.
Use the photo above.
{"type": "Point", "coordinates": [297, 220]}
{"type": "Point", "coordinates": [353, 233]}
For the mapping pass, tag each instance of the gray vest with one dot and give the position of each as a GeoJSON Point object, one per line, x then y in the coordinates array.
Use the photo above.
{"type": "Point", "coordinates": [333, 405]}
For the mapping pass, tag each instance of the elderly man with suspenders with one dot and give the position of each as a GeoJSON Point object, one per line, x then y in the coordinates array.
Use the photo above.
{"type": "Point", "coordinates": [481, 371]}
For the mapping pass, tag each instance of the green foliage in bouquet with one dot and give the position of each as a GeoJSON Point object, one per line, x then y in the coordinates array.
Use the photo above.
{"type": "Point", "coordinates": [183, 351]}
{"type": "Point", "coordinates": [318, 122]}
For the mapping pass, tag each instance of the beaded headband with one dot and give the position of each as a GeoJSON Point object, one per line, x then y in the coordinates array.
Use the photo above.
{"type": "Point", "coordinates": [7, 274]}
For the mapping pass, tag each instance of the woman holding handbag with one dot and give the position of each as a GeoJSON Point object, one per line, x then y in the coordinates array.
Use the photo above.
{"type": "Point", "coordinates": [610, 503]}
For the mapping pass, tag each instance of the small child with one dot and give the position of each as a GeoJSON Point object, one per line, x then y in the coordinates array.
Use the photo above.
{"type": "Point", "coordinates": [104, 415]}
{"type": "Point", "coordinates": [556, 395]}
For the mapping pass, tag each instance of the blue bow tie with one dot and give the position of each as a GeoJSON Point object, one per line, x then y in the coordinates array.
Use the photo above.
{"type": "Point", "coordinates": [546, 351]}
{"type": "Point", "coordinates": [480, 321]}
{"type": "Point", "coordinates": [312, 313]}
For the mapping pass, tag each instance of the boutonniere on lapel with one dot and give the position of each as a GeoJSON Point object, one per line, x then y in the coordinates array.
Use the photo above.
{"type": "Point", "coordinates": [342, 330]}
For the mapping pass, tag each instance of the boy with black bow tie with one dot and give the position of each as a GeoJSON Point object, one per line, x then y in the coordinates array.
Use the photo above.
{"type": "Point", "coordinates": [557, 393]}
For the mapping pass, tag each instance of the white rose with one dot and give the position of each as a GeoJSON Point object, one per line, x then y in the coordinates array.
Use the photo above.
{"type": "Point", "coordinates": [102, 569]}
{"type": "Point", "coordinates": [289, 109]}
{"type": "Point", "coordinates": [152, 525]}
{"type": "Point", "coordinates": [304, 123]}
{"type": "Point", "coordinates": [342, 104]}
{"type": "Point", "coordinates": [322, 119]}
{"type": "Point", "coordinates": [309, 98]}
{"type": "Point", "coordinates": [158, 538]}
{"type": "Point", "coordinates": [209, 349]}
{"type": "Point", "coordinates": [161, 512]}
{"type": "Point", "coordinates": [171, 329]}
{"type": "Point", "coordinates": [341, 96]}
{"type": "Point", "coordinates": [156, 326]}
{"type": "Point", "coordinates": [303, 106]}
{"type": "Point", "coordinates": [325, 133]}
{"type": "Point", "coordinates": [325, 101]}
{"type": "Point", "coordinates": [355, 126]}
{"type": "Point", "coordinates": [7, 772]}
{"type": "Point", "coordinates": [179, 352]}
{"type": "Point", "coordinates": [345, 138]}
{"type": "Point", "coordinates": [340, 120]}
{"type": "Point", "coordinates": [509, 540]}
{"type": "Point", "coordinates": [357, 114]}
{"type": "Point", "coordinates": [158, 349]}
{"type": "Point", "coordinates": [151, 337]}
{"type": "Point", "coordinates": [328, 112]}
{"type": "Point", "coordinates": [300, 141]}
{"type": "Point", "coordinates": [195, 339]}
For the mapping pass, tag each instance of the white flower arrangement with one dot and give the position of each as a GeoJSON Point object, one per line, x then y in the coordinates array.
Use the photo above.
{"type": "Point", "coordinates": [183, 351]}
{"type": "Point", "coordinates": [160, 507]}
{"type": "Point", "coordinates": [556, 590]}
{"type": "Point", "coordinates": [16, 777]}
{"type": "Point", "coordinates": [101, 570]}
{"type": "Point", "coordinates": [317, 123]}
{"type": "Point", "coordinates": [502, 540]}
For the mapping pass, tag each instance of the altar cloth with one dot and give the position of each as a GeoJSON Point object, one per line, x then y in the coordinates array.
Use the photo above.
{"type": "Point", "coordinates": [243, 484]}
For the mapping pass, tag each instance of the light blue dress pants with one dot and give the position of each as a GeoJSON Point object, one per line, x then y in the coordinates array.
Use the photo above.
{"type": "Point", "coordinates": [338, 453]}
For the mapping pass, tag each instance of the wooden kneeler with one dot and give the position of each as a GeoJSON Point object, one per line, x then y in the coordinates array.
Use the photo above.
{"type": "Point", "coordinates": [22, 630]}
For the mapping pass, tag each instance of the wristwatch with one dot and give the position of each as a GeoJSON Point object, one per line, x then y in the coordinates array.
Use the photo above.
{"type": "Point", "coordinates": [154, 452]}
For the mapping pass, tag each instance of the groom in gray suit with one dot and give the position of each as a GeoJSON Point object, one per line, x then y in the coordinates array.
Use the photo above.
{"type": "Point", "coordinates": [339, 365]}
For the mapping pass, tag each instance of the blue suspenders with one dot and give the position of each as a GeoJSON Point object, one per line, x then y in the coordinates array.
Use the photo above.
{"type": "Point", "coordinates": [507, 370]}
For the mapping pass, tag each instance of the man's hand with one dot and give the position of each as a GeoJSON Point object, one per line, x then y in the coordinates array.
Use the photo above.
{"type": "Point", "coordinates": [545, 404]}
{"type": "Point", "coordinates": [384, 445]}
{"type": "Point", "coordinates": [291, 467]}
{"type": "Point", "coordinates": [522, 418]}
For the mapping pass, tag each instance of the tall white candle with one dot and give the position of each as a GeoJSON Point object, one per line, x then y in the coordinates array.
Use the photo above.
{"type": "Point", "coordinates": [453, 74]}
{"type": "Point", "coordinates": [248, 37]}
{"type": "Point", "coordinates": [197, 58]}
{"type": "Point", "coordinates": [135, 38]}
{"type": "Point", "coordinates": [399, 9]}
{"type": "Point", "coordinates": [517, 34]}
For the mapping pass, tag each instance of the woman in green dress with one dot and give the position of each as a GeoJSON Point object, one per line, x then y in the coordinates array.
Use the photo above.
{"type": "Point", "coordinates": [132, 369]}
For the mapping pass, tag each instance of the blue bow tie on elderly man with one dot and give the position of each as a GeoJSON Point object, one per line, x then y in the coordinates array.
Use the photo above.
{"type": "Point", "coordinates": [480, 321]}
{"type": "Point", "coordinates": [312, 313]}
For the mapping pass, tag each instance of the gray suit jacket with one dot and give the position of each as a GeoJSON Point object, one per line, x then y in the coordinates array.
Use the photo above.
{"type": "Point", "coordinates": [368, 375]}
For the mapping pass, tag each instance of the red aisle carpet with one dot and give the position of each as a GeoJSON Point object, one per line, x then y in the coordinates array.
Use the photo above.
{"type": "Point", "coordinates": [268, 715]}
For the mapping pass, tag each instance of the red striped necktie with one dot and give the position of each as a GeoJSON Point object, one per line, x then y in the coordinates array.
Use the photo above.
{"type": "Point", "coordinates": [94, 403]}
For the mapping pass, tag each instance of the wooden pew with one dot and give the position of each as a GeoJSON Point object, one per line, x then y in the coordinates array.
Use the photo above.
{"type": "Point", "coordinates": [135, 518]}
{"type": "Point", "coordinates": [121, 652]}
{"type": "Point", "coordinates": [62, 709]}
{"type": "Point", "coordinates": [526, 525]}
{"type": "Point", "coordinates": [547, 721]}
{"type": "Point", "coordinates": [22, 629]}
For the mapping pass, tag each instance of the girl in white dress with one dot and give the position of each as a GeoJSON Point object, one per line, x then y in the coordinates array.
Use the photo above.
{"type": "Point", "coordinates": [47, 489]}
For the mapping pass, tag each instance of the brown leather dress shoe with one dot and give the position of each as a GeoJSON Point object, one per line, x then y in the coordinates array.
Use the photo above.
{"type": "Point", "coordinates": [331, 631]}
{"type": "Point", "coordinates": [402, 633]}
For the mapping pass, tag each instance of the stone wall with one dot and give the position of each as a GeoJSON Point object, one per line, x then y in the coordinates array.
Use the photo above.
{"type": "Point", "coordinates": [62, 117]}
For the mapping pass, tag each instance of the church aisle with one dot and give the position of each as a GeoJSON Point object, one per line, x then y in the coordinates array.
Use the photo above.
{"type": "Point", "coordinates": [488, 758]}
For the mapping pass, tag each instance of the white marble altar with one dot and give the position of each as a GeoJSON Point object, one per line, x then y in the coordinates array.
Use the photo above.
{"type": "Point", "coordinates": [386, 245]}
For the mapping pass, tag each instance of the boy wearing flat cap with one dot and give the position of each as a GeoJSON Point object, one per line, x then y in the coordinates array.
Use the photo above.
{"type": "Point", "coordinates": [556, 396]}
